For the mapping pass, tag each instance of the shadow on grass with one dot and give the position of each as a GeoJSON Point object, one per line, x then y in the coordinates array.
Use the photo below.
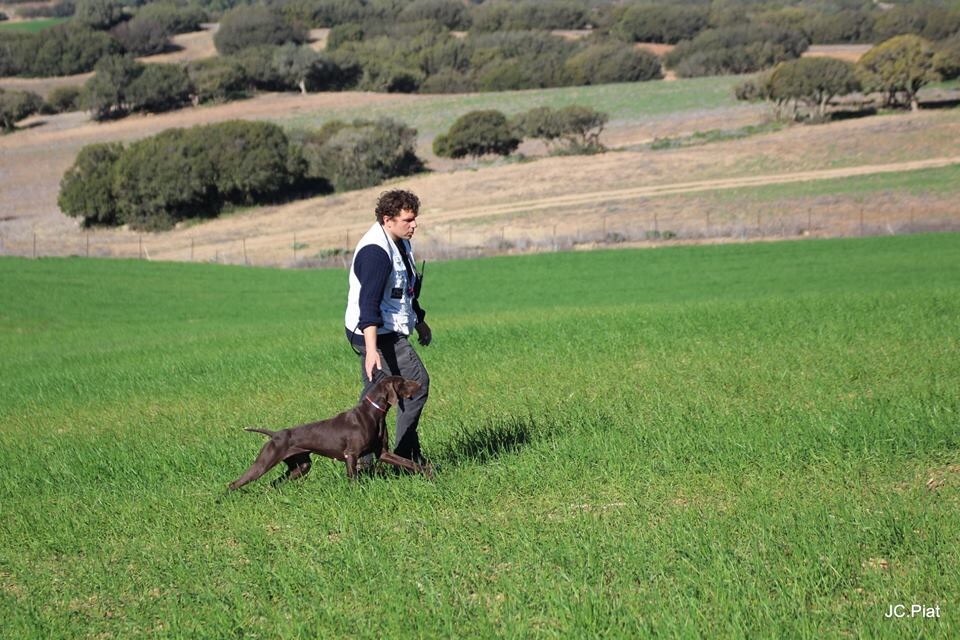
{"type": "Point", "coordinates": [495, 438]}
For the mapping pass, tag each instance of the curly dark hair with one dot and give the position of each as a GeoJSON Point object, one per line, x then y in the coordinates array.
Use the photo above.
{"type": "Point", "coordinates": [391, 203]}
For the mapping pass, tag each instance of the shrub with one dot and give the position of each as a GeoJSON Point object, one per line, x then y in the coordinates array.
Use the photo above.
{"type": "Point", "coordinates": [159, 87]}
{"type": "Point", "coordinates": [58, 51]}
{"type": "Point", "coordinates": [361, 154]}
{"type": "Point", "coordinates": [15, 106]}
{"type": "Point", "coordinates": [142, 36]}
{"type": "Point", "coordinates": [217, 79]}
{"type": "Point", "coordinates": [452, 14]}
{"type": "Point", "coordinates": [105, 94]}
{"type": "Point", "coordinates": [738, 49]}
{"type": "Point", "coordinates": [175, 19]}
{"type": "Point", "coordinates": [661, 23]}
{"type": "Point", "coordinates": [813, 81]}
{"type": "Point", "coordinates": [899, 67]}
{"type": "Point", "coordinates": [86, 189]}
{"type": "Point", "coordinates": [250, 26]}
{"type": "Point", "coordinates": [477, 133]}
{"type": "Point", "coordinates": [946, 62]}
{"type": "Point", "coordinates": [252, 160]}
{"type": "Point", "coordinates": [923, 20]}
{"type": "Point", "coordinates": [163, 179]}
{"type": "Point", "coordinates": [519, 60]}
{"type": "Point", "coordinates": [186, 173]}
{"type": "Point", "coordinates": [612, 62]}
{"type": "Point", "coordinates": [258, 69]}
{"type": "Point", "coordinates": [98, 14]}
{"type": "Point", "coordinates": [63, 99]}
{"type": "Point", "coordinates": [581, 126]}
{"type": "Point", "coordinates": [343, 33]}
{"type": "Point", "coordinates": [853, 26]}
{"type": "Point", "coordinates": [529, 14]}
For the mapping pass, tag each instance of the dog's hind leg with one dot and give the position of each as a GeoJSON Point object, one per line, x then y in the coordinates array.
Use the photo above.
{"type": "Point", "coordinates": [270, 455]}
{"type": "Point", "coordinates": [298, 465]}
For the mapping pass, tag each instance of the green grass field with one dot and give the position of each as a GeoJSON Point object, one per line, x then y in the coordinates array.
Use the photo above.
{"type": "Point", "coordinates": [31, 26]}
{"type": "Point", "coordinates": [433, 114]}
{"type": "Point", "coordinates": [735, 441]}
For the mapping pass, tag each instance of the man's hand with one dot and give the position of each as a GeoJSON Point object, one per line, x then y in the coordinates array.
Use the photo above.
{"type": "Point", "coordinates": [372, 363]}
{"type": "Point", "coordinates": [424, 333]}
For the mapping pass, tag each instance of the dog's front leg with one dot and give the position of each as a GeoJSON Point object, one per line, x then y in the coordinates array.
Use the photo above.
{"type": "Point", "coordinates": [351, 461]}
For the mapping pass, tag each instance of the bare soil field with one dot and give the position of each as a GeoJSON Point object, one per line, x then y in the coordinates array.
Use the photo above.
{"type": "Point", "coordinates": [630, 194]}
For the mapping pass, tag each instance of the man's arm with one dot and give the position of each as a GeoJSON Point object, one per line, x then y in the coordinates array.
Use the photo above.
{"type": "Point", "coordinates": [372, 268]}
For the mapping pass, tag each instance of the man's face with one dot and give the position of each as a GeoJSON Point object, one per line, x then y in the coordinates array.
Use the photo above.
{"type": "Point", "coordinates": [402, 225]}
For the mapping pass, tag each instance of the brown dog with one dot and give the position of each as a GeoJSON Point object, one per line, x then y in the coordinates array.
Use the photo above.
{"type": "Point", "coordinates": [347, 436]}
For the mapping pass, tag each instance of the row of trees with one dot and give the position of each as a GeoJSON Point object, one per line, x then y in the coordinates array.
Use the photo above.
{"type": "Point", "coordinates": [195, 173]}
{"type": "Point", "coordinates": [896, 69]}
{"type": "Point", "coordinates": [436, 61]}
{"type": "Point", "coordinates": [179, 174]}
{"type": "Point", "coordinates": [99, 28]}
{"type": "Point", "coordinates": [820, 23]}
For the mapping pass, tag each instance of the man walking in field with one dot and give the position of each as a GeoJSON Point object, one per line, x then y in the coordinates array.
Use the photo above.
{"type": "Point", "coordinates": [383, 310]}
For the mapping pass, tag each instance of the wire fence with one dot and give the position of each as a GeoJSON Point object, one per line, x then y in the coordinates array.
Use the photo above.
{"type": "Point", "coordinates": [621, 225]}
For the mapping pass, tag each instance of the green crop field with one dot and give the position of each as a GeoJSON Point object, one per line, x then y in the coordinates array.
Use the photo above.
{"type": "Point", "coordinates": [754, 440]}
{"type": "Point", "coordinates": [31, 26]}
{"type": "Point", "coordinates": [433, 114]}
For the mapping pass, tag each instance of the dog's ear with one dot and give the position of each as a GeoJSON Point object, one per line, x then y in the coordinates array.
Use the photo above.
{"type": "Point", "coordinates": [410, 387]}
{"type": "Point", "coordinates": [391, 387]}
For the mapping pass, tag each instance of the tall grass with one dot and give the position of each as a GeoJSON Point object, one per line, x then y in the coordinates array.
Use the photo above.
{"type": "Point", "coordinates": [735, 441]}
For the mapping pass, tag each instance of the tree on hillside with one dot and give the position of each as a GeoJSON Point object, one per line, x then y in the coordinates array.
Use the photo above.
{"type": "Point", "coordinates": [98, 14]}
{"type": "Point", "coordinates": [360, 154]}
{"type": "Point", "coordinates": [814, 81]}
{"type": "Point", "coordinates": [105, 94]}
{"type": "Point", "coordinates": [947, 60]}
{"type": "Point", "coordinates": [477, 133]}
{"type": "Point", "coordinates": [571, 129]}
{"type": "Point", "coordinates": [15, 106]}
{"type": "Point", "coordinates": [159, 87]}
{"type": "Point", "coordinates": [86, 189]}
{"type": "Point", "coordinates": [899, 67]}
{"type": "Point", "coordinates": [301, 67]}
{"type": "Point", "coordinates": [612, 62]}
{"type": "Point", "coordinates": [250, 26]}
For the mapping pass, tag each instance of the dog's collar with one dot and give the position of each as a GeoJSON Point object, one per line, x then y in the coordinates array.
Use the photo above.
{"type": "Point", "coordinates": [367, 398]}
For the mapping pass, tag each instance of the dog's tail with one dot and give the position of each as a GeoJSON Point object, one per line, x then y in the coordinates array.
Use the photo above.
{"type": "Point", "coordinates": [265, 432]}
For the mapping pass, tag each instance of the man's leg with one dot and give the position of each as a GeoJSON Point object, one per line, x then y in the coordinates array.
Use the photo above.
{"type": "Point", "coordinates": [410, 366]}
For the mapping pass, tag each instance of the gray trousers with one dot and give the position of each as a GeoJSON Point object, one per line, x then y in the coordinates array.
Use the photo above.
{"type": "Point", "coordinates": [399, 359]}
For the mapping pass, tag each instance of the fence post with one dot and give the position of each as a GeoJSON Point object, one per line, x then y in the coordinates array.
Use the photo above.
{"type": "Point", "coordinates": [243, 241]}
{"type": "Point", "coordinates": [34, 244]}
{"type": "Point", "coordinates": [191, 249]}
{"type": "Point", "coordinates": [294, 249]}
{"type": "Point", "coordinates": [88, 244]}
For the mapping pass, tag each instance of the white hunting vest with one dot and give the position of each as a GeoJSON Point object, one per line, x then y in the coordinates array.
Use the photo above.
{"type": "Point", "coordinates": [396, 305]}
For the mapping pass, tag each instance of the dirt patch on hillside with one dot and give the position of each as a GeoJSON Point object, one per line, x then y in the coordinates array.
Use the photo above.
{"type": "Point", "coordinates": [629, 195]}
